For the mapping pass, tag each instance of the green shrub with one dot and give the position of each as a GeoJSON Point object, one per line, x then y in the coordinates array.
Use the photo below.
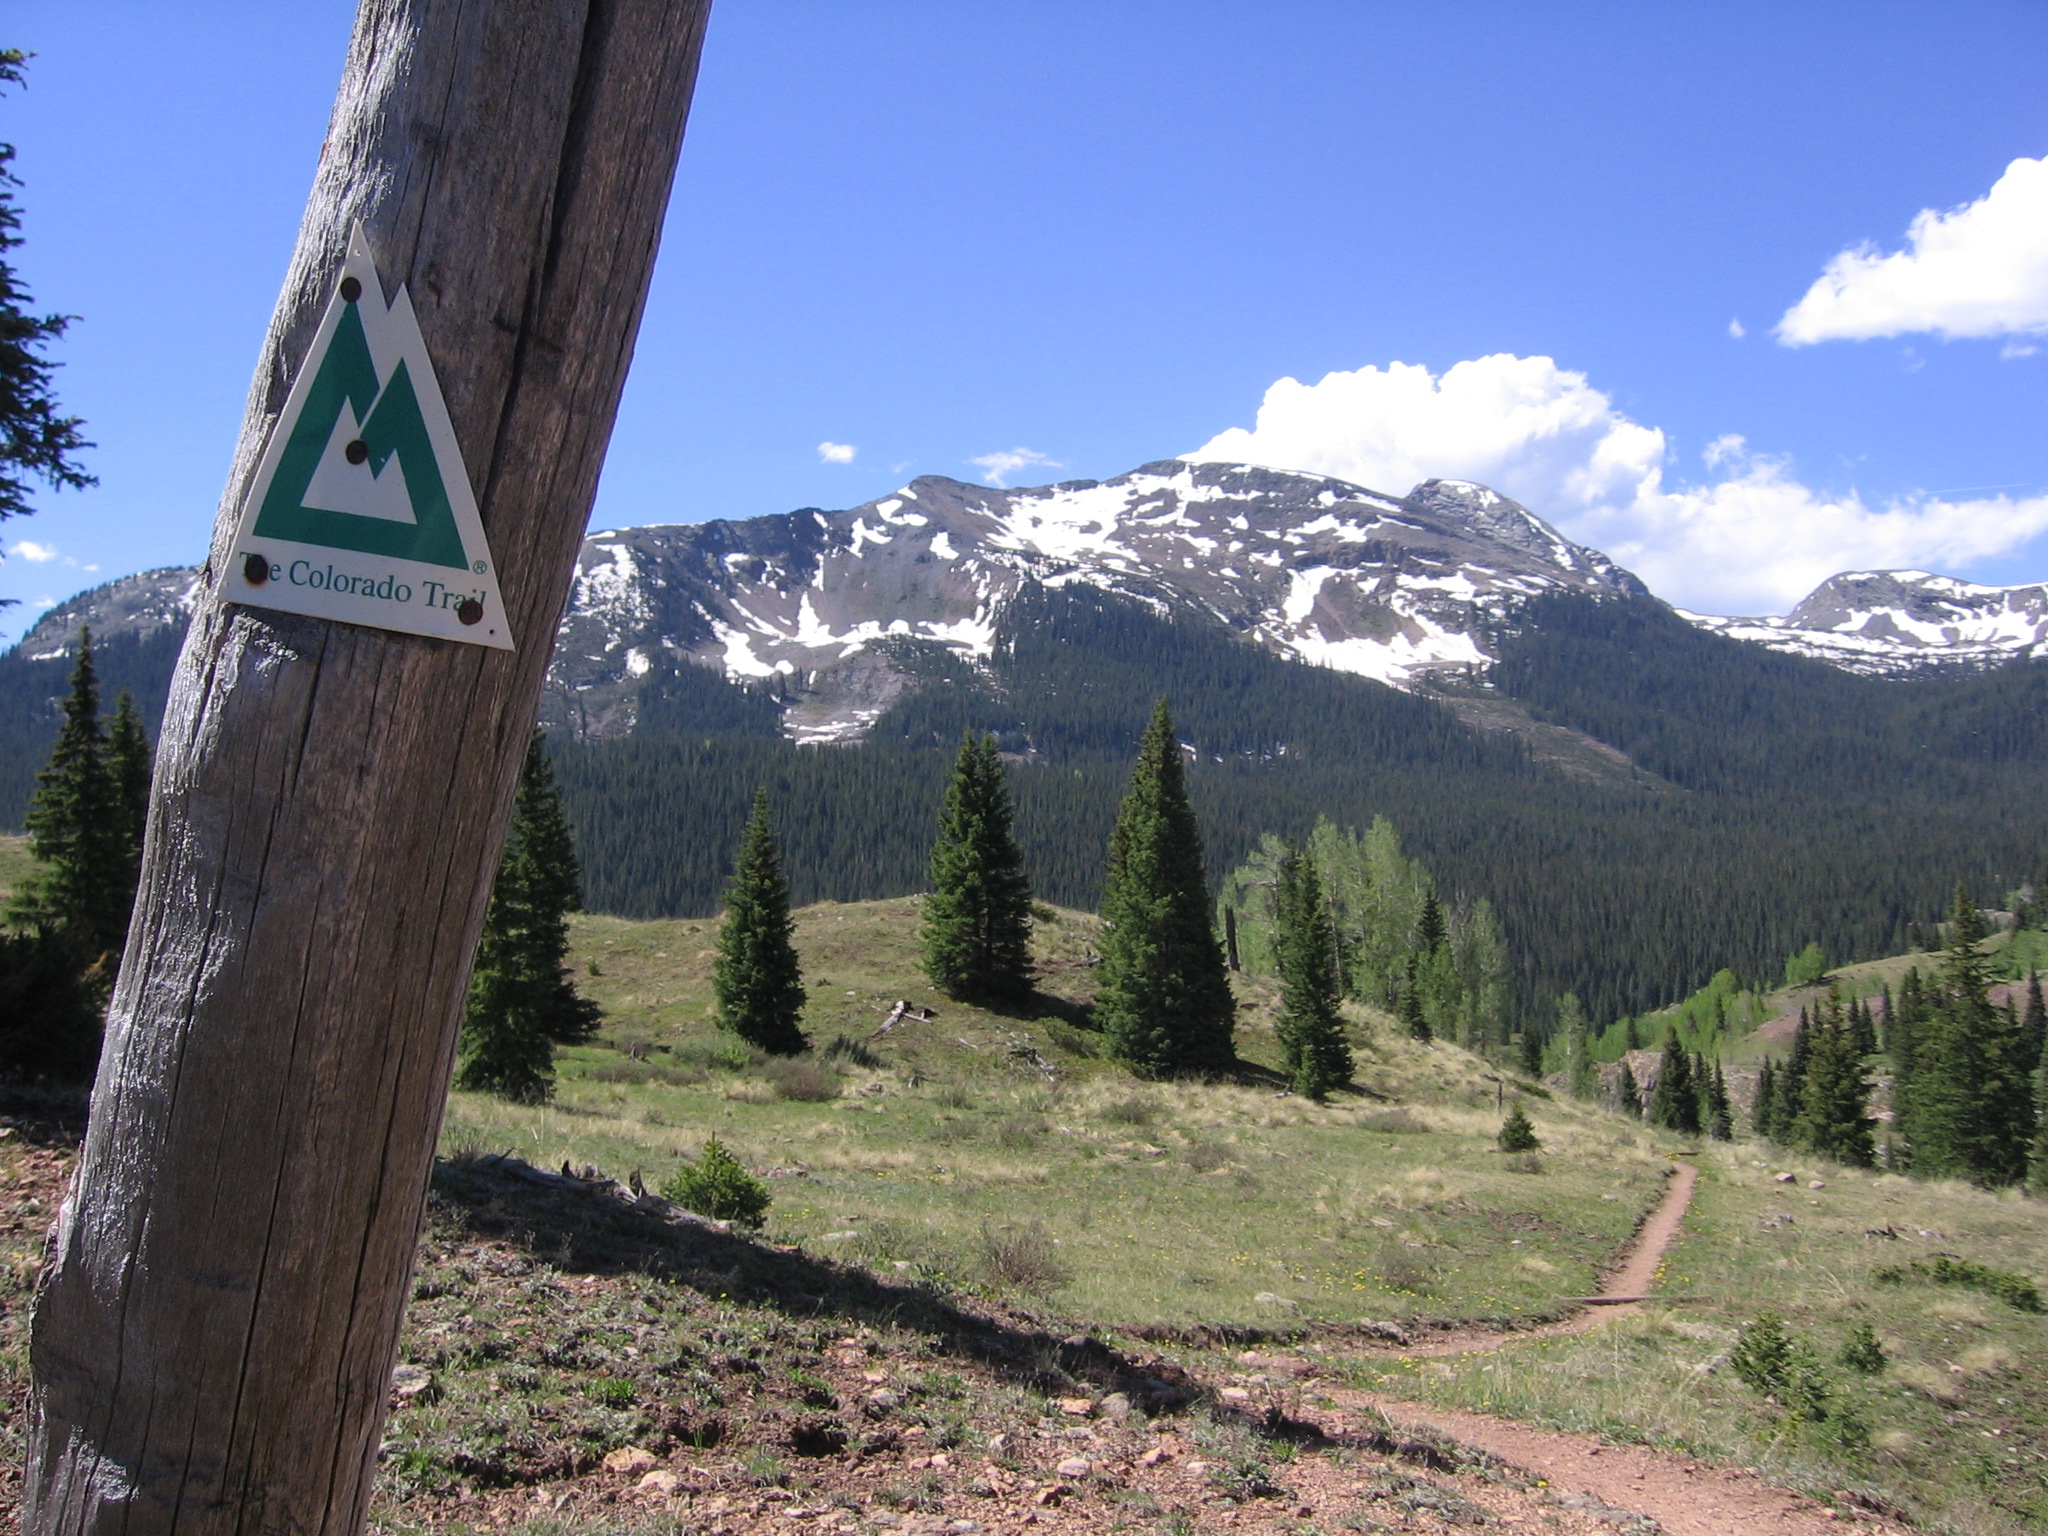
{"type": "Point", "coordinates": [804, 1079]}
{"type": "Point", "coordinates": [717, 1186]}
{"type": "Point", "coordinates": [1021, 1258]}
{"type": "Point", "coordinates": [2016, 1291]}
{"type": "Point", "coordinates": [1773, 1364]}
{"type": "Point", "coordinates": [1861, 1352]}
{"type": "Point", "coordinates": [1517, 1134]}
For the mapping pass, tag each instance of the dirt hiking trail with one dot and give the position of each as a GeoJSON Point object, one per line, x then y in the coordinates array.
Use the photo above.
{"type": "Point", "coordinates": [1685, 1497]}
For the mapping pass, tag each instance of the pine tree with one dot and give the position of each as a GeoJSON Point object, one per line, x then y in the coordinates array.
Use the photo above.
{"type": "Point", "coordinates": [1763, 1107]}
{"type": "Point", "coordinates": [1531, 1045]}
{"type": "Point", "coordinates": [1164, 1002]}
{"type": "Point", "coordinates": [1717, 1114]}
{"type": "Point", "coordinates": [1414, 1016]}
{"type": "Point", "coordinates": [1674, 1104]}
{"type": "Point", "coordinates": [2033, 1026]}
{"type": "Point", "coordinates": [2037, 1162]}
{"type": "Point", "coordinates": [1861, 1028]}
{"type": "Point", "coordinates": [1969, 1107]}
{"type": "Point", "coordinates": [977, 916]}
{"type": "Point", "coordinates": [1883, 1022]}
{"type": "Point", "coordinates": [34, 438]}
{"type": "Point", "coordinates": [1629, 1093]}
{"type": "Point", "coordinates": [1902, 1025]}
{"type": "Point", "coordinates": [1832, 1119]}
{"type": "Point", "coordinates": [1581, 1071]}
{"type": "Point", "coordinates": [522, 1002]}
{"type": "Point", "coordinates": [755, 977]}
{"type": "Point", "coordinates": [1516, 1133]}
{"type": "Point", "coordinates": [1310, 1029]}
{"type": "Point", "coordinates": [1791, 1085]}
{"type": "Point", "coordinates": [128, 762]}
{"type": "Point", "coordinates": [1631, 1036]}
{"type": "Point", "coordinates": [87, 887]}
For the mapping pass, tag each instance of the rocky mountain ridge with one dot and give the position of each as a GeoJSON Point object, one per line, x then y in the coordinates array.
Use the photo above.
{"type": "Point", "coordinates": [837, 614]}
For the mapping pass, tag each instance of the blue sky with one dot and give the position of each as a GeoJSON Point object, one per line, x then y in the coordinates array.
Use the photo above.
{"type": "Point", "coordinates": [940, 233]}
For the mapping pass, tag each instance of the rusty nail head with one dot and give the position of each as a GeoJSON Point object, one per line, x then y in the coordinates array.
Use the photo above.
{"type": "Point", "coordinates": [469, 610]}
{"type": "Point", "coordinates": [356, 451]}
{"type": "Point", "coordinates": [256, 570]}
{"type": "Point", "coordinates": [351, 290]}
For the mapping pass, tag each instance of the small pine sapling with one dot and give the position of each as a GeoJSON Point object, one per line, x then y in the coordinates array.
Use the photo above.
{"type": "Point", "coordinates": [1773, 1364]}
{"type": "Point", "coordinates": [716, 1185]}
{"type": "Point", "coordinates": [1517, 1134]}
{"type": "Point", "coordinates": [1861, 1352]}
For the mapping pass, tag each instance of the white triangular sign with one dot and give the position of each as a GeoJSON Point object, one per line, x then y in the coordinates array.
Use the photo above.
{"type": "Point", "coordinates": [361, 509]}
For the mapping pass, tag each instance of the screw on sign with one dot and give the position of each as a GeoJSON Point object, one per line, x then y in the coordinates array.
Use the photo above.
{"type": "Point", "coordinates": [212, 1347]}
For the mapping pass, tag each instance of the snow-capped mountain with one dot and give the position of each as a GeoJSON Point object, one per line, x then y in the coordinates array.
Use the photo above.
{"type": "Point", "coordinates": [1389, 587]}
{"type": "Point", "coordinates": [831, 610]}
{"type": "Point", "coordinates": [1882, 623]}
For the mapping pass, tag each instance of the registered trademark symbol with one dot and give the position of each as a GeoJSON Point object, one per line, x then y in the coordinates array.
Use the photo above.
{"type": "Point", "coordinates": [479, 567]}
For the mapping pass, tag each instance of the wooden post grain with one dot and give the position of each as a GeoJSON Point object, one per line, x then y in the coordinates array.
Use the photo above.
{"type": "Point", "coordinates": [213, 1345]}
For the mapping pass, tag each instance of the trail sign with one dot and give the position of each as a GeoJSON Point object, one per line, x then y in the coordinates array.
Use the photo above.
{"type": "Point", "coordinates": [360, 509]}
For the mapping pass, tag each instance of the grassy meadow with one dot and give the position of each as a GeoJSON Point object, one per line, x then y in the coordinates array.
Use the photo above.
{"type": "Point", "coordinates": [999, 1152]}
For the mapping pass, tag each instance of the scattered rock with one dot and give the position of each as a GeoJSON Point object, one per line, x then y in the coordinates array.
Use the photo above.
{"type": "Point", "coordinates": [881, 1400]}
{"type": "Point", "coordinates": [660, 1481]}
{"type": "Point", "coordinates": [1785, 1178]}
{"type": "Point", "coordinates": [1076, 1407]}
{"type": "Point", "coordinates": [1114, 1406]}
{"type": "Point", "coordinates": [1075, 1466]}
{"type": "Point", "coordinates": [1235, 1395]}
{"type": "Point", "coordinates": [1816, 1184]}
{"type": "Point", "coordinates": [630, 1459]}
{"type": "Point", "coordinates": [1156, 1455]}
{"type": "Point", "coordinates": [411, 1380]}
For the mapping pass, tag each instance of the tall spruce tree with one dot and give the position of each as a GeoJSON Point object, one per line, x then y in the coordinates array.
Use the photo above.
{"type": "Point", "coordinates": [1717, 1114]}
{"type": "Point", "coordinates": [1764, 1105]}
{"type": "Point", "coordinates": [1310, 1029]}
{"type": "Point", "coordinates": [1791, 1084]}
{"type": "Point", "coordinates": [1832, 1118]}
{"type": "Point", "coordinates": [756, 978]}
{"type": "Point", "coordinates": [1413, 1010]}
{"type": "Point", "coordinates": [36, 438]}
{"type": "Point", "coordinates": [1674, 1102]}
{"type": "Point", "coordinates": [977, 915]}
{"type": "Point", "coordinates": [522, 1002]}
{"type": "Point", "coordinates": [77, 829]}
{"type": "Point", "coordinates": [128, 762]}
{"type": "Point", "coordinates": [1628, 1093]}
{"type": "Point", "coordinates": [1581, 1071]}
{"type": "Point", "coordinates": [2037, 1162]}
{"type": "Point", "coordinates": [1163, 1003]}
{"type": "Point", "coordinates": [1969, 1106]}
{"type": "Point", "coordinates": [2033, 1026]}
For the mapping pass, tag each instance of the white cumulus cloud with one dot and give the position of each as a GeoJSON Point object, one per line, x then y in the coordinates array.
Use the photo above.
{"type": "Point", "coordinates": [1751, 539]}
{"type": "Point", "coordinates": [998, 467]}
{"type": "Point", "coordinates": [35, 554]}
{"type": "Point", "coordinates": [1977, 270]}
{"type": "Point", "coordinates": [836, 453]}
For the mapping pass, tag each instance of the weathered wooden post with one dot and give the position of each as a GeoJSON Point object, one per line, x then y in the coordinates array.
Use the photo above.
{"type": "Point", "coordinates": [213, 1346]}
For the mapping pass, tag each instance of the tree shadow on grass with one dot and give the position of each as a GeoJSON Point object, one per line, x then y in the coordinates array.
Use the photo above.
{"type": "Point", "coordinates": [588, 1229]}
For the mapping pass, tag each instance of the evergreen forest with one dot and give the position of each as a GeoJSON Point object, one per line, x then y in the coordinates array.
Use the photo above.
{"type": "Point", "coordinates": [1773, 803]}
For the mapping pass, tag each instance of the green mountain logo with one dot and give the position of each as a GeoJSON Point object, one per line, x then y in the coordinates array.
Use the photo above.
{"type": "Point", "coordinates": [351, 422]}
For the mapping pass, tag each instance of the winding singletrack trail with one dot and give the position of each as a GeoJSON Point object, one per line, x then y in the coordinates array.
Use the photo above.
{"type": "Point", "coordinates": [1684, 1496]}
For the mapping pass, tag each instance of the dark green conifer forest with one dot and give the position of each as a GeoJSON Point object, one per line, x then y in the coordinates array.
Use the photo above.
{"type": "Point", "coordinates": [1774, 801]}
